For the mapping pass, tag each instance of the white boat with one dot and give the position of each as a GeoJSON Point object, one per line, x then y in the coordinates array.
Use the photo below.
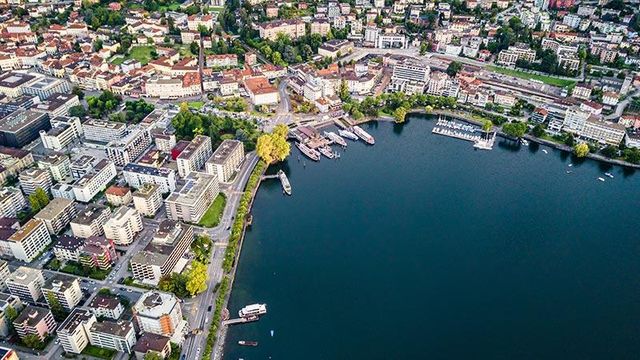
{"type": "Point", "coordinates": [326, 151]}
{"type": "Point", "coordinates": [253, 310]}
{"type": "Point", "coordinates": [570, 165]}
{"type": "Point", "coordinates": [524, 142]}
{"type": "Point", "coordinates": [286, 185]}
{"type": "Point", "coordinates": [364, 135]}
{"type": "Point", "coordinates": [271, 333]}
{"type": "Point", "coordinates": [601, 178]}
{"type": "Point", "coordinates": [545, 151]}
{"type": "Point", "coordinates": [609, 175]}
{"type": "Point", "coordinates": [348, 134]}
{"type": "Point", "coordinates": [309, 152]}
{"type": "Point", "coordinates": [335, 138]}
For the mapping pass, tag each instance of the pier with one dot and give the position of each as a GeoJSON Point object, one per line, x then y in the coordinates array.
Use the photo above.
{"type": "Point", "coordinates": [240, 321]}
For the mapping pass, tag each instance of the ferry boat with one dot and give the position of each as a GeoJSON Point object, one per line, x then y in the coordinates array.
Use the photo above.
{"type": "Point", "coordinates": [326, 151]}
{"type": "Point", "coordinates": [286, 185]}
{"type": "Point", "coordinates": [364, 135]}
{"type": "Point", "coordinates": [609, 175]}
{"type": "Point", "coordinates": [309, 152]}
{"type": "Point", "coordinates": [348, 134]}
{"type": "Point", "coordinates": [247, 343]}
{"type": "Point", "coordinates": [335, 138]}
{"type": "Point", "coordinates": [253, 310]}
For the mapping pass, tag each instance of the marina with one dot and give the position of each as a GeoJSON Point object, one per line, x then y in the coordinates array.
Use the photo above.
{"type": "Point", "coordinates": [337, 139]}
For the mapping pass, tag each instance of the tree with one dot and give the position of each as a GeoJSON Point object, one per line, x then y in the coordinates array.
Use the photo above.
{"type": "Point", "coordinates": [538, 130]}
{"type": "Point", "coordinates": [56, 308]}
{"type": "Point", "coordinates": [569, 140]}
{"type": "Point", "coordinates": [609, 151]}
{"type": "Point", "coordinates": [515, 129]}
{"type": "Point", "coordinates": [78, 92]}
{"type": "Point", "coordinates": [453, 68]}
{"type": "Point", "coordinates": [344, 91]}
{"type": "Point", "coordinates": [152, 355]}
{"type": "Point", "coordinates": [581, 150]}
{"type": "Point", "coordinates": [399, 114]}
{"type": "Point", "coordinates": [32, 341]}
{"type": "Point", "coordinates": [274, 147]}
{"type": "Point", "coordinates": [38, 200]}
{"type": "Point", "coordinates": [487, 125]}
{"type": "Point", "coordinates": [197, 278]}
{"type": "Point", "coordinates": [194, 48]}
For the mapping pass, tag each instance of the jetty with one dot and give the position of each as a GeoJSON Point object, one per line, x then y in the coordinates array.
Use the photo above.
{"type": "Point", "coordinates": [241, 320]}
{"type": "Point", "coordinates": [456, 134]}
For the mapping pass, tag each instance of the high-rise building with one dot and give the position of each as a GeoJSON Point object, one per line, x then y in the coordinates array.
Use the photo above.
{"type": "Point", "coordinates": [34, 320]}
{"type": "Point", "coordinates": [90, 220]}
{"type": "Point", "coordinates": [65, 289]}
{"type": "Point", "coordinates": [73, 332]}
{"type": "Point", "coordinates": [58, 165]}
{"type": "Point", "coordinates": [8, 301]}
{"type": "Point", "coordinates": [22, 127]}
{"type": "Point", "coordinates": [57, 214]}
{"type": "Point", "coordinates": [118, 336]}
{"type": "Point", "coordinates": [160, 313]}
{"type": "Point", "coordinates": [148, 199]}
{"type": "Point", "coordinates": [126, 149]}
{"type": "Point", "coordinates": [194, 156]}
{"type": "Point", "coordinates": [123, 226]}
{"type": "Point", "coordinates": [92, 183]}
{"type": "Point", "coordinates": [26, 243]}
{"type": "Point", "coordinates": [137, 175]}
{"type": "Point", "coordinates": [26, 283]}
{"type": "Point", "coordinates": [226, 160]}
{"type": "Point", "coordinates": [31, 179]}
{"type": "Point", "coordinates": [103, 131]}
{"type": "Point", "coordinates": [192, 200]}
{"type": "Point", "coordinates": [11, 202]}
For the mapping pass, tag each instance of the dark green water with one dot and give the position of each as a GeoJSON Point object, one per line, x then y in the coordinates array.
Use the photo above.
{"type": "Point", "coordinates": [420, 247]}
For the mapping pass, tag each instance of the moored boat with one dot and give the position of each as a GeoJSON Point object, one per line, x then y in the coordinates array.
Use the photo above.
{"type": "Point", "coordinates": [364, 135]}
{"type": "Point", "coordinates": [253, 310]}
{"type": "Point", "coordinates": [247, 343]}
{"type": "Point", "coordinates": [609, 175]}
{"type": "Point", "coordinates": [309, 152]}
{"type": "Point", "coordinates": [348, 134]}
{"type": "Point", "coordinates": [326, 151]}
{"type": "Point", "coordinates": [335, 138]}
{"type": "Point", "coordinates": [284, 180]}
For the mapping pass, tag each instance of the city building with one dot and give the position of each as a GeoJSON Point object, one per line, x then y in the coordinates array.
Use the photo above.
{"type": "Point", "coordinates": [90, 220]}
{"type": "Point", "coordinates": [103, 131]}
{"type": "Point", "coordinates": [123, 225]}
{"type": "Point", "coordinates": [128, 148]}
{"type": "Point", "coordinates": [73, 332]}
{"type": "Point", "coordinates": [118, 195]}
{"type": "Point", "coordinates": [13, 161]}
{"type": "Point", "coordinates": [261, 91]}
{"type": "Point", "coordinates": [105, 306]}
{"type": "Point", "coordinates": [12, 83]}
{"type": "Point", "coordinates": [26, 243]}
{"type": "Point", "coordinates": [152, 343]}
{"type": "Point", "coordinates": [34, 320]}
{"type": "Point", "coordinates": [58, 164]}
{"type": "Point", "coordinates": [98, 252]}
{"type": "Point", "coordinates": [148, 199]}
{"type": "Point", "coordinates": [137, 175]}
{"type": "Point", "coordinates": [160, 313]}
{"type": "Point", "coordinates": [4, 274]}
{"type": "Point", "coordinates": [65, 289]}
{"type": "Point", "coordinates": [510, 56]}
{"type": "Point", "coordinates": [226, 160]}
{"type": "Point", "coordinates": [64, 130]}
{"type": "Point", "coordinates": [31, 179]}
{"type": "Point", "coordinates": [8, 301]}
{"type": "Point", "coordinates": [68, 248]}
{"type": "Point", "coordinates": [409, 73]}
{"type": "Point", "coordinates": [92, 183]}
{"type": "Point", "coordinates": [82, 165]}
{"type": "Point", "coordinates": [26, 283]}
{"type": "Point", "coordinates": [11, 202]}
{"type": "Point", "coordinates": [192, 200]}
{"type": "Point", "coordinates": [22, 127]}
{"type": "Point", "coordinates": [57, 214]}
{"type": "Point", "coordinates": [194, 156]}
{"type": "Point", "coordinates": [58, 104]}
{"type": "Point", "coordinates": [294, 28]}
{"type": "Point", "coordinates": [118, 336]}
{"type": "Point", "coordinates": [159, 258]}
{"type": "Point", "coordinates": [44, 87]}
{"type": "Point", "coordinates": [604, 132]}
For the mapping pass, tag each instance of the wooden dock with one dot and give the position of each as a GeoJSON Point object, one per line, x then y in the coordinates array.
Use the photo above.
{"type": "Point", "coordinates": [239, 321]}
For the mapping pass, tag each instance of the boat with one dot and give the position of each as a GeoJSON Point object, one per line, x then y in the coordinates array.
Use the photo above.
{"type": "Point", "coordinates": [570, 165]}
{"type": "Point", "coordinates": [348, 135]}
{"type": "Point", "coordinates": [609, 175]}
{"type": "Point", "coordinates": [253, 310]}
{"type": "Point", "coordinates": [335, 138]}
{"type": "Point", "coordinates": [309, 152]}
{"type": "Point", "coordinates": [247, 343]}
{"type": "Point", "coordinates": [286, 185]}
{"type": "Point", "coordinates": [545, 151]}
{"type": "Point", "coordinates": [326, 151]}
{"type": "Point", "coordinates": [601, 178]}
{"type": "Point", "coordinates": [569, 171]}
{"type": "Point", "coordinates": [364, 135]}
{"type": "Point", "coordinates": [271, 333]}
{"type": "Point", "coordinates": [524, 142]}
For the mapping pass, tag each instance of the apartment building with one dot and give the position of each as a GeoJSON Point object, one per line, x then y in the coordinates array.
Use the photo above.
{"type": "Point", "coordinates": [160, 257]}
{"type": "Point", "coordinates": [4, 274]}
{"type": "Point", "coordinates": [118, 336]}
{"type": "Point", "coordinates": [160, 313]}
{"type": "Point", "coordinates": [13, 161]}
{"type": "Point", "coordinates": [103, 131]}
{"type": "Point", "coordinates": [67, 248]}
{"type": "Point", "coordinates": [192, 200]}
{"type": "Point", "coordinates": [26, 243]}
{"type": "Point", "coordinates": [44, 87]}
{"type": "Point", "coordinates": [409, 72]}
{"type": "Point", "coordinates": [104, 306]}
{"type": "Point", "coordinates": [65, 289]}
{"type": "Point", "coordinates": [64, 130]}
{"type": "Point", "coordinates": [90, 220]}
{"type": "Point", "coordinates": [194, 156]}
{"type": "Point", "coordinates": [58, 164]}
{"type": "Point", "coordinates": [226, 160]}
{"type": "Point", "coordinates": [58, 104]}
{"type": "Point", "coordinates": [604, 132]}
{"type": "Point", "coordinates": [57, 214]}
{"type": "Point", "coordinates": [150, 343]}
{"type": "Point", "coordinates": [92, 183]}
{"type": "Point", "coordinates": [510, 56]}
{"type": "Point", "coordinates": [294, 28]}
{"type": "Point", "coordinates": [128, 148]}
{"type": "Point", "coordinates": [118, 195]}
{"type": "Point", "coordinates": [34, 320]}
{"type": "Point", "coordinates": [82, 165]}
{"type": "Point", "coordinates": [31, 179]}
{"type": "Point", "coordinates": [164, 142]}
{"type": "Point", "coordinates": [73, 332]}
{"type": "Point", "coordinates": [8, 301]}
{"type": "Point", "coordinates": [98, 252]}
{"type": "Point", "coordinates": [11, 202]}
{"type": "Point", "coordinates": [123, 225]}
{"type": "Point", "coordinates": [137, 175]}
{"type": "Point", "coordinates": [26, 283]}
{"type": "Point", "coordinates": [148, 199]}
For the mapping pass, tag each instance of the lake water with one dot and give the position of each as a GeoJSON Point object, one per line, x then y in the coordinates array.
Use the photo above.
{"type": "Point", "coordinates": [421, 247]}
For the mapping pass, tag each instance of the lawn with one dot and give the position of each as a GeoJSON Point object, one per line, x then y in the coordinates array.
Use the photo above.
{"type": "Point", "coordinates": [212, 217]}
{"type": "Point", "coordinates": [196, 105]}
{"type": "Point", "coordinates": [170, 7]}
{"type": "Point", "coordinates": [550, 80]}
{"type": "Point", "coordinates": [77, 269]}
{"type": "Point", "coordinates": [98, 352]}
{"type": "Point", "coordinates": [140, 53]}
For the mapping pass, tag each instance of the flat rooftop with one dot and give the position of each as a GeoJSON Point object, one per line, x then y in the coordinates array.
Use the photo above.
{"type": "Point", "coordinates": [14, 79]}
{"type": "Point", "coordinates": [54, 208]}
{"type": "Point", "coordinates": [223, 152]}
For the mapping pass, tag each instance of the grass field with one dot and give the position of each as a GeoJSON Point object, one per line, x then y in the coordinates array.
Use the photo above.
{"type": "Point", "coordinates": [550, 80]}
{"type": "Point", "coordinates": [196, 105]}
{"type": "Point", "coordinates": [140, 53]}
{"type": "Point", "coordinates": [98, 352]}
{"type": "Point", "coordinates": [212, 217]}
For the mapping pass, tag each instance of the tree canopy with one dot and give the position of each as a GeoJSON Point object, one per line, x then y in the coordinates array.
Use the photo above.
{"type": "Point", "coordinates": [274, 147]}
{"type": "Point", "coordinates": [515, 129]}
{"type": "Point", "coordinates": [38, 200]}
{"type": "Point", "coordinates": [581, 150]}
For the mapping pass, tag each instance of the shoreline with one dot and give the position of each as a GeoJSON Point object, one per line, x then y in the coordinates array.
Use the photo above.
{"type": "Point", "coordinates": [529, 137]}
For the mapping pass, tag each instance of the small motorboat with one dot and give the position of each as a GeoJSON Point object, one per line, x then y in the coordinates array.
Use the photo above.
{"type": "Point", "coordinates": [247, 343]}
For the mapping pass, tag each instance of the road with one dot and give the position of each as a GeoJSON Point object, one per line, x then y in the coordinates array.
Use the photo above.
{"type": "Point", "coordinates": [197, 309]}
{"type": "Point", "coordinates": [622, 105]}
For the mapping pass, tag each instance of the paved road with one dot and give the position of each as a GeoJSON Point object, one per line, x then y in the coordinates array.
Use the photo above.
{"type": "Point", "coordinates": [196, 309]}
